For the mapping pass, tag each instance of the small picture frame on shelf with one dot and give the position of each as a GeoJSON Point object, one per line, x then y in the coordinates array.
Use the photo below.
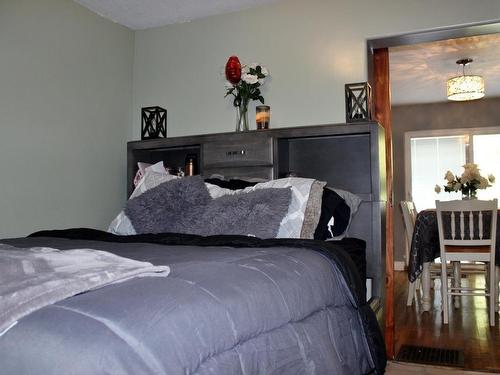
{"type": "Point", "coordinates": [153, 122]}
{"type": "Point", "coordinates": [358, 102]}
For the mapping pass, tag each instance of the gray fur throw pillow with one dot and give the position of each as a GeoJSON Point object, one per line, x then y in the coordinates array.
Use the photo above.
{"type": "Point", "coordinates": [258, 213]}
{"type": "Point", "coordinates": [185, 206]}
{"type": "Point", "coordinates": [168, 206]}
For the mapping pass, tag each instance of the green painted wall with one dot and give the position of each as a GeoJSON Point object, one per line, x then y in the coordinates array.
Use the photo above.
{"type": "Point", "coordinates": [312, 48]}
{"type": "Point", "coordinates": [72, 85]}
{"type": "Point", "coordinates": [65, 107]}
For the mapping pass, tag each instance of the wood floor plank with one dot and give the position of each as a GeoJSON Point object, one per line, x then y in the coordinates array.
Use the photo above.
{"type": "Point", "coordinates": [401, 368]}
{"type": "Point", "coordinates": [468, 329]}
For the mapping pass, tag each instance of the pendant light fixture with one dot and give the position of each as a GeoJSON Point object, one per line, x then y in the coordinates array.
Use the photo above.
{"type": "Point", "coordinates": [465, 86]}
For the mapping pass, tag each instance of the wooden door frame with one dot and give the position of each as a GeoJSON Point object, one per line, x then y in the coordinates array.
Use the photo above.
{"type": "Point", "coordinates": [379, 79]}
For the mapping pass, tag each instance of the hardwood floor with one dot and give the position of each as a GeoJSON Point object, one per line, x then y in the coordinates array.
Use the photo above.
{"type": "Point", "coordinates": [467, 330]}
{"type": "Point", "coordinates": [401, 368]}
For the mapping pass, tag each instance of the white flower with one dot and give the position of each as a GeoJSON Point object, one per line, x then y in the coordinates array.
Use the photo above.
{"type": "Point", "coordinates": [491, 178]}
{"type": "Point", "coordinates": [457, 186]}
{"type": "Point", "coordinates": [471, 172]}
{"type": "Point", "coordinates": [264, 70]}
{"type": "Point", "coordinates": [483, 183]}
{"type": "Point", "coordinates": [449, 176]}
{"type": "Point", "coordinates": [245, 69]}
{"type": "Point", "coordinates": [228, 85]}
{"type": "Point", "coordinates": [249, 78]}
{"type": "Point", "coordinates": [465, 177]}
{"type": "Point", "coordinates": [437, 189]}
{"type": "Point", "coordinates": [470, 166]}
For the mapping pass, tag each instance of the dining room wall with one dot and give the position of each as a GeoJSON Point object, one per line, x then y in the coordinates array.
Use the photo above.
{"type": "Point", "coordinates": [431, 116]}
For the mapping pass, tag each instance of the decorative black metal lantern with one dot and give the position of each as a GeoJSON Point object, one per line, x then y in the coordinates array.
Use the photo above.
{"type": "Point", "coordinates": [153, 122]}
{"type": "Point", "coordinates": [358, 102]}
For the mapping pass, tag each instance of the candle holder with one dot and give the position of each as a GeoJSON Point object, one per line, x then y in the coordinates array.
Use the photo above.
{"type": "Point", "coordinates": [262, 116]}
{"type": "Point", "coordinates": [153, 122]}
{"type": "Point", "coordinates": [358, 102]}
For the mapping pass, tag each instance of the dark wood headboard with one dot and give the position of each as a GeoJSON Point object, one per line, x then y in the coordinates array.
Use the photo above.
{"type": "Point", "coordinates": [348, 156]}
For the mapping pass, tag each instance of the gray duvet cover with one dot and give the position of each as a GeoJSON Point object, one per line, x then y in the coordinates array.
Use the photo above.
{"type": "Point", "coordinates": [222, 310]}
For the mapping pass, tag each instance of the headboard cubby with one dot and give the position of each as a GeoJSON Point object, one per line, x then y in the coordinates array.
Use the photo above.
{"type": "Point", "coordinates": [172, 157]}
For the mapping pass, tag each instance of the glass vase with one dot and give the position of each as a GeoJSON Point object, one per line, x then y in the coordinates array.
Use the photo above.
{"type": "Point", "coordinates": [468, 195]}
{"type": "Point", "coordinates": [242, 117]}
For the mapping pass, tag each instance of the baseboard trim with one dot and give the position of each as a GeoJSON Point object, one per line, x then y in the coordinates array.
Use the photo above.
{"type": "Point", "coordinates": [399, 266]}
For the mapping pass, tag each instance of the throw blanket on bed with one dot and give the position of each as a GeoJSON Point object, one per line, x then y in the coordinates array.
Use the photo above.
{"type": "Point", "coordinates": [36, 277]}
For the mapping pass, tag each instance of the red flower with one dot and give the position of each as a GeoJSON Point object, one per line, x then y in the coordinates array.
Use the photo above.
{"type": "Point", "coordinates": [233, 70]}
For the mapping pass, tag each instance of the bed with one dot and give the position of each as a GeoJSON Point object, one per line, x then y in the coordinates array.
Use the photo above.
{"type": "Point", "coordinates": [231, 304]}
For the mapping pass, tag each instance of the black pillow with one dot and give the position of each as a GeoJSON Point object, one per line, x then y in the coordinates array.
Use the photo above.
{"type": "Point", "coordinates": [332, 205]}
{"type": "Point", "coordinates": [232, 184]}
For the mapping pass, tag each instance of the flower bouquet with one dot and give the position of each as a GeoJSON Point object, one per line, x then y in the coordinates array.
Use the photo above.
{"type": "Point", "coordinates": [468, 183]}
{"type": "Point", "coordinates": [243, 83]}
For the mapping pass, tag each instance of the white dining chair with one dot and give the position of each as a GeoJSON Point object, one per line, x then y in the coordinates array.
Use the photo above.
{"type": "Point", "coordinates": [473, 244]}
{"type": "Point", "coordinates": [409, 219]}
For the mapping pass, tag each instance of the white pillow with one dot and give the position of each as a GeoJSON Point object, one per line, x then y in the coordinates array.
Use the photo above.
{"type": "Point", "coordinates": [144, 167]}
{"type": "Point", "coordinates": [150, 180]}
{"type": "Point", "coordinates": [121, 224]}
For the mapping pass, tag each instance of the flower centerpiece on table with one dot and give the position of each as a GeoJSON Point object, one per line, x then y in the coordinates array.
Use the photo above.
{"type": "Point", "coordinates": [243, 82]}
{"type": "Point", "coordinates": [468, 183]}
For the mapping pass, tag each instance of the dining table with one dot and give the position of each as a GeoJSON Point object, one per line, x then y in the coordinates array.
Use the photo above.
{"type": "Point", "coordinates": [425, 249]}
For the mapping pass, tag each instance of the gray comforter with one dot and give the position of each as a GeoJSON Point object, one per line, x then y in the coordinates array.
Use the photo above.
{"type": "Point", "coordinates": [222, 310]}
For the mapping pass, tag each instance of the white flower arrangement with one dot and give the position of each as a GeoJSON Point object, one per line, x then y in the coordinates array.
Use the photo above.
{"type": "Point", "coordinates": [243, 83]}
{"type": "Point", "coordinates": [244, 80]}
{"type": "Point", "coordinates": [468, 183]}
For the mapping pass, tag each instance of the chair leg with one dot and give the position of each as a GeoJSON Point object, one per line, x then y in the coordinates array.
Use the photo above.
{"type": "Point", "coordinates": [487, 279]}
{"type": "Point", "coordinates": [493, 294]}
{"type": "Point", "coordinates": [456, 283]}
{"type": "Point", "coordinates": [444, 291]}
{"type": "Point", "coordinates": [411, 293]}
{"type": "Point", "coordinates": [426, 294]}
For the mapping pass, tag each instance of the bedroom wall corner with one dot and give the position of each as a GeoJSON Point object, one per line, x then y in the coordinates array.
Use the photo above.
{"type": "Point", "coordinates": [65, 108]}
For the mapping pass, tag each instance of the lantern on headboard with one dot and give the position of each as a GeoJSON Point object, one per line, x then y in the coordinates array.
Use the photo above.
{"type": "Point", "coordinates": [153, 122]}
{"type": "Point", "coordinates": [358, 102]}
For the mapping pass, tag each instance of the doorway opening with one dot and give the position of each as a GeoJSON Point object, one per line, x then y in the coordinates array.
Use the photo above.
{"type": "Point", "coordinates": [379, 77]}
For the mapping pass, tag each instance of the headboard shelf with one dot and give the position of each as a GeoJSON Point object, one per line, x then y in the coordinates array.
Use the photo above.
{"type": "Point", "coordinates": [347, 156]}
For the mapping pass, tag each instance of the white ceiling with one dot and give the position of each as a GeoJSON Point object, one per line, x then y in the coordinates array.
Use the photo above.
{"type": "Point", "coordinates": [152, 13]}
{"type": "Point", "coordinates": [419, 72]}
